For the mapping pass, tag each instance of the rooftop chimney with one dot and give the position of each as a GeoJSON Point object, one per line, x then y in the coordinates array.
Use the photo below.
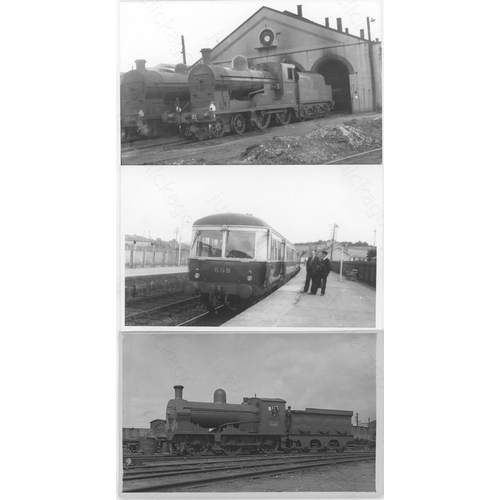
{"type": "Point", "coordinates": [339, 23]}
{"type": "Point", "coordinates": [206, 56]}
{"type": "Point", "coordinates": [362, 33]}
{"type": "Point", "coordinates": [299, 10]}
{"type": "Point", "coordinates": [178, 391]}
{"type": "Point", "coordinates": [140, 64]}
{"type": "Point", "coordinates": [347, 30]}
{"type": "Point", "coordinates": [327, 22]}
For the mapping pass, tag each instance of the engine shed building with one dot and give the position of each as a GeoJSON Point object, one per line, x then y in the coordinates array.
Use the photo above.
{"type": "Point", "coordinates": [351, 64]}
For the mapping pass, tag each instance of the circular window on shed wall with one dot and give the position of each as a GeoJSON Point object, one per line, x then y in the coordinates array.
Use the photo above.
{"type": "Point", "coordinates": [266, 37]}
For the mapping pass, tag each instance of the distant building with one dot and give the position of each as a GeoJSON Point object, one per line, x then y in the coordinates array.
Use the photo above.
{"type": "Point", "coordinates": [139, 241]}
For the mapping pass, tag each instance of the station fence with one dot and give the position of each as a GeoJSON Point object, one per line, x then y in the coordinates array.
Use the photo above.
{"type": "Point", "coordinates": [367, 270]}
{"type": "Point", "coordinates": [137, 256]}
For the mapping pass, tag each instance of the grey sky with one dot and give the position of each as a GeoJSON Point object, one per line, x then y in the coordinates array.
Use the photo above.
{"type": "Point", "coordinates": [314, 370]}
{"type": "Point", "coordinates": [152, 30]}
{"type": "Point", "coordinates": [299, 202]}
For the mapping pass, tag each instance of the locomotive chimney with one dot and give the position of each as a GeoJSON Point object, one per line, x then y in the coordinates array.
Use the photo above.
{"type": "Point", "coordinates": [220, 396]}
{"type": "Point", "coordinates": [178, 391]}
{"type": "Point", "coordinates": [299, 10]}
{"type": "Point", "coordinates": [327, 22]}
{"type": "Point", "coordinates": [140, 63]}
{"type": "Point", "coordinates": [339, 23]}
{"type": "Point", "coordinates": [206, 56]}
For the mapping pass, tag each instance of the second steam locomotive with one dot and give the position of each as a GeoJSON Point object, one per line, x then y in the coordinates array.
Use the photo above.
{"type": "Point", "coordinates": [262, 425]}
{"type": "Point", "coordinates": [238, 257]}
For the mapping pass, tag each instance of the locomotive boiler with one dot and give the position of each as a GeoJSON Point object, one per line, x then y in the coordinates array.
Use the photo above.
{"type": "Point", "coordinates": [238, 257]}
{"type": "Point", "coordinates": [256, 425]}
{"type": "Point", "coordinates": [231, 99]}
{"type": "Point", "coordinates": [147, 93]}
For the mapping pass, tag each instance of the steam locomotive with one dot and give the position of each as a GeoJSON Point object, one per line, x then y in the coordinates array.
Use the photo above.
{"type": "Point", "coordinates": [238, 257]}
{"type": "Point", "coordinates": [230, 99]}
{"type": "Point", "coordinates": [146, 94]}
{"type": "Point", "coordinates": [256, 425]}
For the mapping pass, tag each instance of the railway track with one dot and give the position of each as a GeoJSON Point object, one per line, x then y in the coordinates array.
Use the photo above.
{"type": "Point", "coordinates": [221, 315]}
{"type": "Point", "coordinates": [177, 475]}
{"type": "Point", "coordinates": [144, 310]}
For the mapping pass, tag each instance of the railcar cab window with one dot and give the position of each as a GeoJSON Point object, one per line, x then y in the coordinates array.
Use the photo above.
{"type": "Point", "coordinates": [274, 410]}
{"type": "Point", "coordinates": [246, 245]}
{"type": "Point", "coordinates": [207, 244]}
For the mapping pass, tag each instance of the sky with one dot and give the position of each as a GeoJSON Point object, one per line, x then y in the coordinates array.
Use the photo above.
{"type": "Point", "coordinates": [153, 30]}
{"type": "Point", "coordinates": [320, 370]}
{"type": "Point", "coordinates": [301, 203]}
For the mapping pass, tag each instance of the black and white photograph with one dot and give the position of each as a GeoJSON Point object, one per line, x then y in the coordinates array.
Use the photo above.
{"type": "Point", "coordinates": [273, 83]}
{"type": "Point", "coordinates": [230, 247]}
{"type": "Point", "coordinates": [249, 413]}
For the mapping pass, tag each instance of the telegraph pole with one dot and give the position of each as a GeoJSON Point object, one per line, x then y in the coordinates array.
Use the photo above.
{"type": "Point", "coordinates": [333, 240]}
{"type": "Point", "coordinates": [180, 247]}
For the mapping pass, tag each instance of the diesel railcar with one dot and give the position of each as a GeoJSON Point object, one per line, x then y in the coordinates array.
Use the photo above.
{"type": "Point", "coordinates": [146, 94]}
{"type": "Point", "coordinates": [238, 257]}
{"type": "Point", "coordinates": [230, 99]}
{"type": "Point", "coordinates": [256, 425]}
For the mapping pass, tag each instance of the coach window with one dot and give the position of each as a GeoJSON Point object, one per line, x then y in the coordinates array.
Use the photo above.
{"type": "Point", "coordinates": [240, 245]}
{"type": "Point", "coordinates": [207, 244]}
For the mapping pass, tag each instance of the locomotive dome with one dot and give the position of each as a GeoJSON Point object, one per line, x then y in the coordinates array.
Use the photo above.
{"type": "Point", "coordinates": [230, 219]}
{"type": "Point", "coordinates": [239, 63]}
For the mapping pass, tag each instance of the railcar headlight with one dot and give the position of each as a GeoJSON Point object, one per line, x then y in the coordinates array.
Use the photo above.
{"type": "Point", "coordinates": [196, 274]}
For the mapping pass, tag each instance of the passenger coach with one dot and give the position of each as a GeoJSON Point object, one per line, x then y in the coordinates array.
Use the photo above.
{"type": "Point", "coordinates": [238, 257]}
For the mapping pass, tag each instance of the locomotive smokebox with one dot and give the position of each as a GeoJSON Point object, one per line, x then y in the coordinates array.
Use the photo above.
{"type": "Point", "coordinates": [206, 56]}
{"type": "Point", "coordinates": [178, 391]}
{"type": "Point", "coordinates": [220, 396]}
{"type": "Point", "coordinates": [140, 64]}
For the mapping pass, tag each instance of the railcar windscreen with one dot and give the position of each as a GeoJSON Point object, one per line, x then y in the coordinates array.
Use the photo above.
{"type": "Point", "coordinates": [208, 244]}
{"type": "Point", "coordinates": [246, 245]}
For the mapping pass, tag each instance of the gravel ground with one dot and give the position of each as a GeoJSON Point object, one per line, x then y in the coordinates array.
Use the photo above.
{"type": "Point", "coordinates": [320, 146]}
{"type": "Point", "coordinates": [311, 142]}
{"type": "Point", "coordinates": [348, 477]}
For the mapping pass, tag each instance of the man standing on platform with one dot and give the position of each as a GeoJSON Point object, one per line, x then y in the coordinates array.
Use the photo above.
{"type": "Point", "coordinates": [316, 273]}
{"type": "Point", "coordinates": [326, 264]}
{"type": "Point", "coordinates": [308, 271]}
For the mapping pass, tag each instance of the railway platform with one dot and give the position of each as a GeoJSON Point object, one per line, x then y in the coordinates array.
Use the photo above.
{"type": "Point", "coordinates": [153, 271]}
{"type": "Point", "coordinates": [346, 304]}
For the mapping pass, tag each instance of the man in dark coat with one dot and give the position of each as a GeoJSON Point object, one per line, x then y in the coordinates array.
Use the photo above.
{"type": "Point", "coordinates": [308, 271]}
{"type": "Point", "coordinates": [326, 266]}
{"type": "Point", "coordinates": [316, 273]}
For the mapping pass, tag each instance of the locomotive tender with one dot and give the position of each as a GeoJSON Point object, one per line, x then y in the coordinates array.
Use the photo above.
{"type": "Point", "coordinates": [146, 94]}
{"type": "Point", "coordinates": [236, 257]}
{"type": "Point", "coordinates": [255, 425]}
{"type": "Point", "coordinates": [229, 99]}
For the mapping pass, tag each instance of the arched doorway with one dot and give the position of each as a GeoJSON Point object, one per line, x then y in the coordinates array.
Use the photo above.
{"type": "Point", "coordinates": [336, 74]}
